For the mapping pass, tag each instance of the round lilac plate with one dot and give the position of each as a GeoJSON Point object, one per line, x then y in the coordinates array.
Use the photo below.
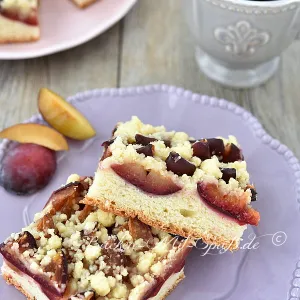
{"type": "Point", "coordinates": [267, 266]}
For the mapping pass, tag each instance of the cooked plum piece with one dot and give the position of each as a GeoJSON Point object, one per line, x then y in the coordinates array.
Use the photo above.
{"type": "Point", "coordinates": [146, 150]}
{"type": "Point", "coordinates": [232, 153]}
{"type": "Point", "coordinates": [228, 173]}
{"type": "Point", "coordinates": [231, 203]}
{"type": "Point", "coordinates": [179, 165]}
{"type": "Point", "coordinates": [201, 149]}
{"type": "Point", "coordinates": [144, 140]}
{"type": "Point", "coordinates": [150, 182]}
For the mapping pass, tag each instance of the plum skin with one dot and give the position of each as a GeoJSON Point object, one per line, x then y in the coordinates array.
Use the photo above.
{"type": "Point", "coordinates": [27, 168]}
{"type": "Point", "coordinates": [179, 165]}
{"type": "Point", "coordinates": [149, 182]}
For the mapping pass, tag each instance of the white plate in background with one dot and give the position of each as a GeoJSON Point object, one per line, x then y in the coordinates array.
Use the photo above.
{"type": "Point", "coordinates": [63, 26]}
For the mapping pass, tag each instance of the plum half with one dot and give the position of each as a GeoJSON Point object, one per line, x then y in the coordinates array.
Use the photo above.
{"type": "Point", "coordinates": [37, 134]}
{"type": "Point", "coordinates": [151, 182]}
{"type": "Point", "coordinates": [228, 203]}
{"type": "Point", "coordinates": [63, 116]}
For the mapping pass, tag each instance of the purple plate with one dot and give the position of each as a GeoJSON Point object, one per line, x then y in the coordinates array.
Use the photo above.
{"type": "Point", "coordinates": [267, 267]}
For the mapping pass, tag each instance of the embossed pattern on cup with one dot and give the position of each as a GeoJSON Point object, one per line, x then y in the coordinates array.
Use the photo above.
{"type": "Point", "coordinates": [240, 41]}
{"type": "Point", "coordinates": [241, 38]}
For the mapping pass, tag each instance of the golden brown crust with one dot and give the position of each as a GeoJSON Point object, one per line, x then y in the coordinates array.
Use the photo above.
{"type": "Point", "coordinates": [110, 206]}
{"type": "Point", "coordinates": [13, 40]}
{"type": "Point", "coordinates": [10, 280]}
{"type": "Point", "coordinates": [19, 40]}
{"type": "Point", "coordinates": [83, 4]}
{"type": "Point", "coordinates": [171, 289]}
{"type": "Point", "coordinates": [12, 31]}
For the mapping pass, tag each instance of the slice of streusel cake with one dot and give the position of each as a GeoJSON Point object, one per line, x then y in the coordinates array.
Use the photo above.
{"type": "Point", "coordinates": [76, 251]}
{"type": "Point", "coordinates": [19, 21]}
{"type": "Point", "coordinates": [193, 188]}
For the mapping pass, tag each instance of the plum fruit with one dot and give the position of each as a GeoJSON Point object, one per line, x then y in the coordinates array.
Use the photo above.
{"type": "Point", "coordinates": [146, 150]}
{"type": "Point", "coordinates": [58, 266]}
{"type": "Point", "coordinates": [27, 168]}
{"type": "Point", "coordinates": [228, 173]}
{"type": "Point", "coordinates": [114, 255]}
{"type": "Point", "coordinates": [232, 154]}
{"type": "Point", "coordinates": [26, 241]}
{"type": "Point", "coordinates": [201, 149]}
{"type": "Point", "coordinates": [151, 182]}
{"type": "Point", "coordinates": [144, 140]}
{"type": "Point", "coordinates": [216, 147]}
{"type": "Point", "coordinates": [232, 204]}
{"type": "Point", "coordinates": [139, 230]}
{"type": "Point", "coordinates": [37, 134]}
{"type": "Point", "coordinates": [63, 116]}
{"type": "Point", "coordinates": [179, 165]}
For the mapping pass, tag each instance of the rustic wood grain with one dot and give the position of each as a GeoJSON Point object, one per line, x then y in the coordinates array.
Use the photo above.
{"type": "Point", "coordinates": [93, 65]}
{"type": "Point", "coordinates": [151, 45]}
{"type": "Point", "coordinates": [157, 47]}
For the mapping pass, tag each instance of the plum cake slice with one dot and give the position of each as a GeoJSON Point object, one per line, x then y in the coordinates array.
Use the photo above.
{"type": "Point", "coordinates": [19, 21]}
{"type": "Point", "coordinates": [77, 251]}
{"type": "Point", "coordinates": [196, 188]}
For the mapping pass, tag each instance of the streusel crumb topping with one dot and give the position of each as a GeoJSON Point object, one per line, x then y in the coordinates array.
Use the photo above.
{"type": "Point", "coordinates": [22, 7]}
{"type": "Point", "coordinates": [104, 255]}
{"type": "Point", "coordinates": [218, 160]}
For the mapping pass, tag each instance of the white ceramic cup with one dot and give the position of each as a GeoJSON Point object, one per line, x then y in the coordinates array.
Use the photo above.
{"type": "Point", "coordinates": [239, 42]}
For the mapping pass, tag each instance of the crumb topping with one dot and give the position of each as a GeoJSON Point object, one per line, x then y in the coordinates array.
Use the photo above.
{"type": "Point", "coordinates": [101, 254]}
{"type": "Point", "coordinates": [23, 8]}
{"type": "Point", "coordinates": [201, 160]}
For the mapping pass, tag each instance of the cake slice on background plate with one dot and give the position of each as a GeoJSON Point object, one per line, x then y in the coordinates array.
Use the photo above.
{"type": "Point", "coordinates": [193, 188]}
{"type": "Point", "coordinates": [76, 251]}
{"type": "Point", "coordinates": [19, 21]}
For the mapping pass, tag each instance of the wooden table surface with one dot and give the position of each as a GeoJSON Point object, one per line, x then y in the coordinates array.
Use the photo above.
{"type": "Point", "coordinates": [150, 45]}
